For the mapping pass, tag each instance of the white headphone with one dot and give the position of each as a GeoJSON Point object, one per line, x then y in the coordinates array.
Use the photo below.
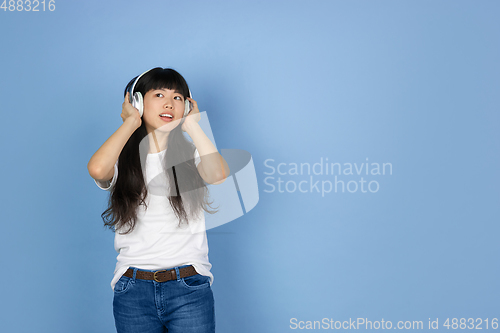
{"type": "Point", "coordinates": [137, 100]}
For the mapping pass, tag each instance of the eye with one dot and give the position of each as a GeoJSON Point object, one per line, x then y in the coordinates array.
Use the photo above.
{"type": "Point", "coordinates": [159, 94]}
{"type": "Point", "coordinates": [179, 97]}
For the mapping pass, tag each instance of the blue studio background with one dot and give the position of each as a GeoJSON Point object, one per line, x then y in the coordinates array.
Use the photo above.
{"type": "Point", "coordinates": [412, 84]}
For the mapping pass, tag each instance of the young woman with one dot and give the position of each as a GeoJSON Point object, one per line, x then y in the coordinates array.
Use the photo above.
{"type": "Point", "coordinates": [156, 178]}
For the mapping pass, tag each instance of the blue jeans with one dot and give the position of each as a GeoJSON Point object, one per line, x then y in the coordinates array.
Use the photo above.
{"type": "Point", "coordinates": [183, 305]}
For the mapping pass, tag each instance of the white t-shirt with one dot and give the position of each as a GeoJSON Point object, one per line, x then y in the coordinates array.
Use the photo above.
{"type": "Point", "coordinates": [157, 242]}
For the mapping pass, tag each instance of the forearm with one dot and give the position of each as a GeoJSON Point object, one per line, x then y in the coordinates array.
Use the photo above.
{"type": "Point", "coordinates": [213, 164]}
{"type": "Point", "coordinates": [105, 157]}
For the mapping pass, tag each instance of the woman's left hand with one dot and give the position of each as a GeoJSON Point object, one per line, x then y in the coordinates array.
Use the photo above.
{"type": "Point", "coordinates": [193, 116]}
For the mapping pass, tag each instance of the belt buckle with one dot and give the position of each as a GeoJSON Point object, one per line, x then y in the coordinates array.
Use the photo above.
{"type": "Point", "coordinates": [154, 275]}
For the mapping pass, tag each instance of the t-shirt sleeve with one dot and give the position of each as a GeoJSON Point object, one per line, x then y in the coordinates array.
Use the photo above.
{"type": "Point", "coordinates": [108, 185]}
{"type": "Point", "coordinates": [197, 158]}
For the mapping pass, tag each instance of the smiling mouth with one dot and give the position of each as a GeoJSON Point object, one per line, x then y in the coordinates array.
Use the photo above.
{"type": "Point", "coordinates": [166, 116]}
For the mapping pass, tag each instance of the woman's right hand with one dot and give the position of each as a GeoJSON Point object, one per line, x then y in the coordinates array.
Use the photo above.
{"type": "Point", "coordinates": [128, 111]}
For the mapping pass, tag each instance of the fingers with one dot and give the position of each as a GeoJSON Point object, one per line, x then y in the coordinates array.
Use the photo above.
{"type": "Point", "coordinates": [194, 109]}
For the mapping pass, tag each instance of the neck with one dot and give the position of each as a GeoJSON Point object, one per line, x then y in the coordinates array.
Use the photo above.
{"type": "Point", "coordinates": [157, 141]}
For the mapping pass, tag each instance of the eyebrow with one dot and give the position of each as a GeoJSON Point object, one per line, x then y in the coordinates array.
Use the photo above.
{"type": "Point", "coordinates": [164, 89]}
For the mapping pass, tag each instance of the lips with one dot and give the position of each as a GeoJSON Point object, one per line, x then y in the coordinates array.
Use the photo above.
{"type": "Point", "coordinates": [164, 116]}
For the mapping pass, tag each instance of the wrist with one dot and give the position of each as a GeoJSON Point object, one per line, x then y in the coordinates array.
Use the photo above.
{"type": "Point", "coordinates": [191, 127]}
{"type": "Point", "coordinates": [132, 122]}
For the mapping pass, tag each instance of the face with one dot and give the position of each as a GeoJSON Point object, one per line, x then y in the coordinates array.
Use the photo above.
{"type": "Point", "coordinates": [163, 108]}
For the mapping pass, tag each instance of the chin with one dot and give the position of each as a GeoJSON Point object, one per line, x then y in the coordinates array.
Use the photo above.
{"type": "Point", "coordinates": [168, 127]}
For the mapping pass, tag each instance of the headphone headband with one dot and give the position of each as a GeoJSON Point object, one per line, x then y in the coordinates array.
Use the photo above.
{"type": "Point", "coordinates": [137, 80]}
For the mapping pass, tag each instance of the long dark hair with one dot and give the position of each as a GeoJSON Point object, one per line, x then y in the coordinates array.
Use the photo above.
{"type": "Point", "coordinates": [188, 192]}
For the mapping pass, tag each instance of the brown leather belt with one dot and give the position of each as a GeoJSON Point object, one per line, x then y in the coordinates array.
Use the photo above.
{"type": "Point", "coordinates": [162, 275]}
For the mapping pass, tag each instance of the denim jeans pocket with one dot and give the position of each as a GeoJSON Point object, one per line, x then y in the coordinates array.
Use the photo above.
{"type": "Point", "coordinates": [196, 281]}
{"type": "Point", "coordinates": [123, 284]}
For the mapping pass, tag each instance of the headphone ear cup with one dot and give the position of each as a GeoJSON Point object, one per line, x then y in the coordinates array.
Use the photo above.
{"type": "Point", "coordinates": [187, 107]}
{"type": "Point", "coordinates": [138, 103]}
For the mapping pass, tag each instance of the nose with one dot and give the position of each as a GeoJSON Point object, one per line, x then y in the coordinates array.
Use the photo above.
{"type": "Point", "coordinates": [168, 104]}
